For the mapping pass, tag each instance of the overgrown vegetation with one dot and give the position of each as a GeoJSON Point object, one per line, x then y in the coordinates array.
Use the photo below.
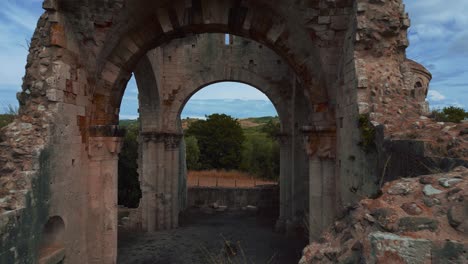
{"type": "Point", "coordinates": [220, 138]}
{"type": "Point", "coordinates": [218, 143]}
{"type": "Point", "coordinates": [9, 115]}
{"type": "Point", "coordinates": [451, 114]}
{"type": "Point", "coordinates": [6, 119]}
{"type": "Point", "coordinates": [367, 134]}
{"type": "Point", "coordinates": [230, 253]}
{"type": "Point", "coordinates": [259, 150]}
{"type": "Point", "coordinates": [129, 185]}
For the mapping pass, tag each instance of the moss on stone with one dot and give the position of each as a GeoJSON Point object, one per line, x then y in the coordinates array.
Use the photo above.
{"type": "Point", "coordinates": [6, 120]}
{"type": "Point", "coordinates": [23, 228]}
{"type": "Point", "coordinates": [367, 142]}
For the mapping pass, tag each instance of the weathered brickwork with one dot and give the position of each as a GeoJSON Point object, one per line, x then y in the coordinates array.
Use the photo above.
{"type": "Point", "coordinates": [340, 60]}
{"type": "Point", "coordinates": [169, 75]}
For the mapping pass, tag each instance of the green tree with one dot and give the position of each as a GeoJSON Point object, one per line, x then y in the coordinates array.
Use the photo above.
{"type": "Point", "coordinates": [192, 153]}
{"type": "Point", "coordinates": [272, 128]}
{"type": "Point", "coordinates": [450, 114]}
{"type": "Point", "coordinates": [260, 156]}
{"type": "Point", "coordinates": [129, 191]}
{"type": "Point", "coordinates": [220, 139]}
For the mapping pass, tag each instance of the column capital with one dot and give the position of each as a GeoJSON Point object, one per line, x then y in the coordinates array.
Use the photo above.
{"type": "Point", "coordinates": [320, 141]}
{"type": "Point", "coordinates": [104, 148]}
{"type": "Point", "coordinates": [170, 140]}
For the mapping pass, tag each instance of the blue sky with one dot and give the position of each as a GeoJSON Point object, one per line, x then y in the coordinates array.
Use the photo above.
{"type": "Point", "coordinates": [438, 37]}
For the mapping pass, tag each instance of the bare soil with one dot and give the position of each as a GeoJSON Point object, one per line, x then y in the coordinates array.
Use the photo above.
{"type": "Point", "coordinates": [202, 235]}
{"type": "Point", "coordinates": [215, 178]}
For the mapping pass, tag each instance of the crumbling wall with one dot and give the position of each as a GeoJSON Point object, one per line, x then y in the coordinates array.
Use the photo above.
{"type": "Point", "coordinates": [36, 146]}
{"type": "Point", "coordinates": [345, 54]}
{"type": "Point", "coordinates": [418, 220]}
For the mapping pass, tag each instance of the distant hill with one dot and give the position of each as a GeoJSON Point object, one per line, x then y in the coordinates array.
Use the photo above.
{"type": "Point", "coordinates": [238, 108]}
{"type": "Point", "coordinates": [246, 123]}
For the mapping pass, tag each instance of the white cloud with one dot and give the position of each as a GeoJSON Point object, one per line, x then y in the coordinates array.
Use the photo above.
{"type": "Point", "coordinates": [17, 23]}
{"type": "Point", "coordinates": [436, 96]}
{"type": "Point", "coordinates": [19, 15]}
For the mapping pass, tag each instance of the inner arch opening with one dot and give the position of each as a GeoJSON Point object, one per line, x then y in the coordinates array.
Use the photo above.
{"type": "Point", "coordinates": [231, 131]}
{"type": "Point", "coordinates": [167, 78]}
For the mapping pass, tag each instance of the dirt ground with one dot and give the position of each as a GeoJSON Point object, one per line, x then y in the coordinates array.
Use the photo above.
{"type": "Point", "coordinates": [200, 240]}
{"type": "Point", "coordinates": [214, 178]}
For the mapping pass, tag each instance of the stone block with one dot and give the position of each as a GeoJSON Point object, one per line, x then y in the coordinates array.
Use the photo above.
{"type": "Point", "coordinates": [414, 224]}
{"type": "Point", "coordinates": [450, 252]}
{"type": "Point", "coordinates": [58, 36]}
{"type": "Point", "coordinates": [50, 5]}
{"type": "Point", "coordinates": [324, 20]}
{"type": "Point", "coordinates": [391, 248]}
{"type": "Point", "coordinates": [55, 95]}
{"type": "Point", "coordinates": [339, 22]}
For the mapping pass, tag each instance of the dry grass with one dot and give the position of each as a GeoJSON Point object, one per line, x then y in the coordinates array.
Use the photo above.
{"type": "Point", "coordinates": [220, 178]}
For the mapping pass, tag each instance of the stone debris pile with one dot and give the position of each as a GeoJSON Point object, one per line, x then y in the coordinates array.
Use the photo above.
{"type": "Point", "coordinates": [415, 220]}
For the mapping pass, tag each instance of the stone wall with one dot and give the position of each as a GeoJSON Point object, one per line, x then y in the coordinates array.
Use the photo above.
{"type": "Point", "coordinates": [169, 75]}
{"type": "Point", "coordinates": [345, 61]}
{"type": "Point", "coordinates": [265, 197]}
{"type": "Point", "coordinates": [418, 220]}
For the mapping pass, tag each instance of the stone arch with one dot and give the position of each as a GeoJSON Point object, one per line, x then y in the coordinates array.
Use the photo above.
{"type": "Point", "coordinates": [418, 91]}
{"type": "Point", "coordinates": [253, 81]}
{"type": "Point", "coordinates": [172, 21]}
{"type": "Point", "coordinates": [81, 59]}
{"type": "Point", "coordinates": [177, 76]}
{"type": "Point", "coordinates": [149, 99]}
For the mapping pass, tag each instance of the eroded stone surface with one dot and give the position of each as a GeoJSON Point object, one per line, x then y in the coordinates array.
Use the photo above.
{"type": "Point", "coordinates": [434, 236]}
{"type": "Point", "coordinates": [59, 157]}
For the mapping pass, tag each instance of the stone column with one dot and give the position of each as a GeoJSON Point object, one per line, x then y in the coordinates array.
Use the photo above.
{"type": "Point", "coordinates": [160, 180]}
{"type": "Point", "coordinates": [172, 151]}
{"type": "Point", "coordinates": [152, 172]}
{"type": "Point", "coordinates": [102, 196]}
{"type": "Point", "coordinates": [321, 148]}
{"type": "Point", "coordinates": [285, 181]}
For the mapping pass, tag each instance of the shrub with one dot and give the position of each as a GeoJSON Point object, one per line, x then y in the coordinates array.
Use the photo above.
{"type": "Point", "coordinates": [261, 156]}
{"type": "Point", "coordinates": [192, 153]}
{"type": "Point", "coordinates": [6, 120]}
{"type": "Point", "coordinates": [451, 114]}
{"type": "Point", "coordinates": [367, 134]}
{"type": "Point", "coordinates": [129, 184]}
{"type": "Point", "coordinates": [220, 139]}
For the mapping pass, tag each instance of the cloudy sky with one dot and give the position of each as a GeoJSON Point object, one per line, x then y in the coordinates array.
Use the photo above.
{"type": "Point", "coordinates": [438, 36]}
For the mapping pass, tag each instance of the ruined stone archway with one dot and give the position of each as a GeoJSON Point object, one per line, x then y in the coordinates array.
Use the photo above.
{"type": "Point", "coordinates": [60, 155]}
{"type": "Point", "coordinates": [177, 74]}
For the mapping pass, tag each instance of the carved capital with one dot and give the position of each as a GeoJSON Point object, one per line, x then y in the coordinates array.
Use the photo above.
{"type": "Point", "coordinates": [104, 148]}
{"type": "Point", "coordinates": [155, 137]}
{"type": "Point", "coordinates": [320, 142]}
{"type": "Point", "coordinates": [170, 140]}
